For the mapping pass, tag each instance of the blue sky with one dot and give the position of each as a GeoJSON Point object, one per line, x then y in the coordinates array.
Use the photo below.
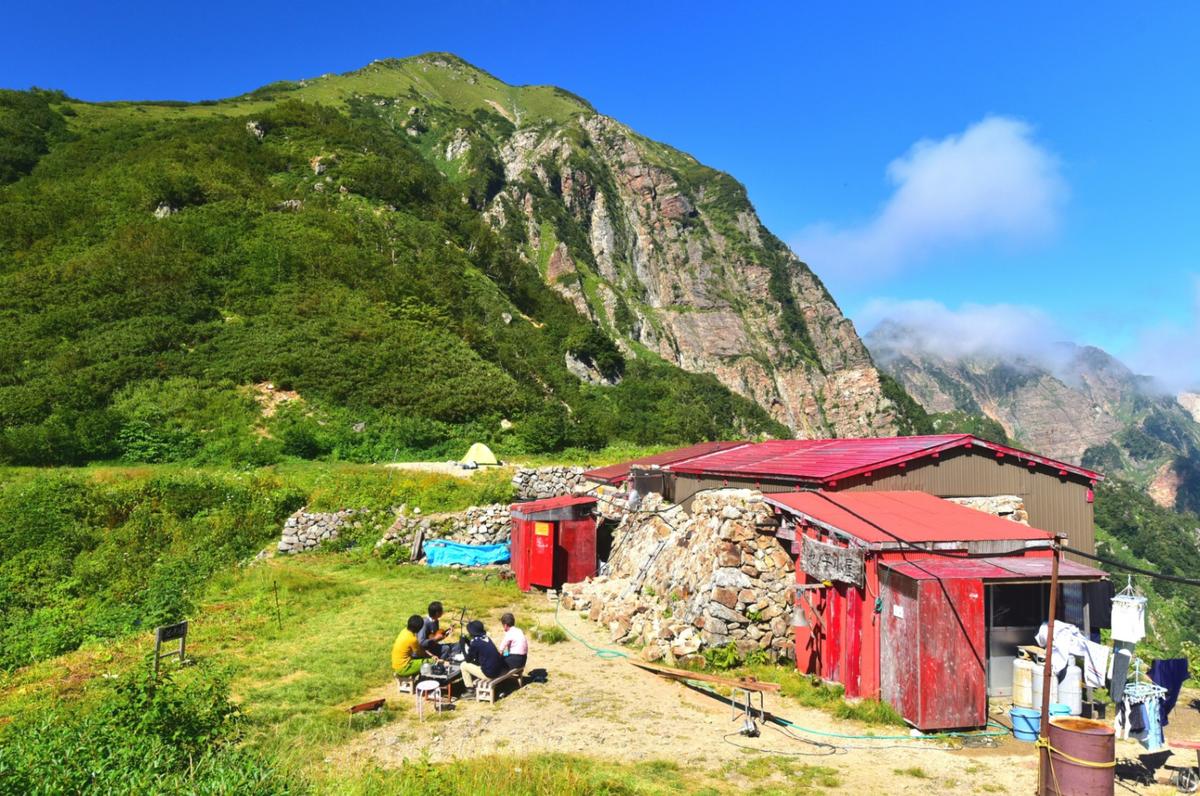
{"type": "Point", "coordinates": [1058, 177]}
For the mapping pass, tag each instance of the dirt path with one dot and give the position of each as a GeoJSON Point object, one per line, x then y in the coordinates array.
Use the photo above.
{"type": "Point", "coordinates": [590, 706]}
{"type": "Point", "coordinates": [443, 468]}
{"type": "Point", "coordinates": [609, 709]}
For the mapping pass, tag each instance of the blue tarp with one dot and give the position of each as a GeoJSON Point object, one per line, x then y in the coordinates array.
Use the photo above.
{"type": "Point", "coordinates": [443, 553]}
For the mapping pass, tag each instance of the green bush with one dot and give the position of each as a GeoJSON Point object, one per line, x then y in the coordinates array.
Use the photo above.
{"type": "Point", "coordinates": [138, 736]}
{"type": "Point", "coordinates": [81, 559]}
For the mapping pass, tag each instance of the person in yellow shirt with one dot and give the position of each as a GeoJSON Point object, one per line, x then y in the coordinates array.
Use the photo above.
{"type": "Point", "coordinates": [407, 652]}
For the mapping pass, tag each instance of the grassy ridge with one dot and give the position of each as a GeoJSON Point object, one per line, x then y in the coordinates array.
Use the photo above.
{"type": "Point", "coordinates": [327, 257]}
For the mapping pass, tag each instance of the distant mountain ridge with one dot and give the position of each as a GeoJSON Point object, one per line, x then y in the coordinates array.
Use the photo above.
{"type": "Point", "coordinates": [1076, 403]}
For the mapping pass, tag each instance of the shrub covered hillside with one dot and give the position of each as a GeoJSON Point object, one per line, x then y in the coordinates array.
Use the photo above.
{"type": "Point", "coordinates": [1133, 529]}
{"type": "Point", "coordinates": [299, 281]}
{"type": "Point", "coordinates": [98, 553]}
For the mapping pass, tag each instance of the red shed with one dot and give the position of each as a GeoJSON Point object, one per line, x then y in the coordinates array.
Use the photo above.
{"type": "Point", "coordinates": [554, 541]}
{"type": "Point", "coordinates": [928, 631]}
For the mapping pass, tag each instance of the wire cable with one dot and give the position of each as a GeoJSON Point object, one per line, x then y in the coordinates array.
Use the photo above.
{"type": "Point", "coordinates": [910, 545]}
{"type": "Point", "coordinates": [1135, 570]}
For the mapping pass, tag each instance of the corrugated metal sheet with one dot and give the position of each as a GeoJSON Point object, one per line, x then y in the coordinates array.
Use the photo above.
{"type": "Point", "coordinates": [911, 516]}
{"type": "Point", "coordinates": [824, 460]}
{"type": "Point", "coordinates": [1000, 568]}
{"type": "Point", "coordinates": [550, 504]}
{"type": "Point", "coordinates": [814, 459]}
{"type": "Point", "coordinates": [616, 473]}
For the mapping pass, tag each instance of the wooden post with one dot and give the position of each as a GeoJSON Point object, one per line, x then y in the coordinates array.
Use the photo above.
{"type": "Point", "coordinates": [1047, 673]}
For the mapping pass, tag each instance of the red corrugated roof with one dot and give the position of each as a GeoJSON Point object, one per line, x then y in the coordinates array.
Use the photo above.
{"type": "Point", "coordinates": [615, 473]}
{"type": "Point", "coordinates": [911, 516]}
{"type": "Point", "coordinates": [993, 568]}
{"type": "Point", "coordinates": [827, 460]}
{"type": "Point", "coordinates": [549, 504]}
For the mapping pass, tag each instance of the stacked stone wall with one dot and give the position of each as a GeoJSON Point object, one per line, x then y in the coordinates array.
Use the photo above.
{"type": "Point", "coordinates": [678, 584]}
{"type": "Point", "coordinates": [545, 482]}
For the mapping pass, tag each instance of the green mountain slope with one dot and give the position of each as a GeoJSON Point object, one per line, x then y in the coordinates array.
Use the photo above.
{"type": "Point", "coordinates": [157, 261]}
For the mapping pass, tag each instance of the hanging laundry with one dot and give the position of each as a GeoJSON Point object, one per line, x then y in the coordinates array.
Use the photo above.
{"type": "Point", "coordinates": [1098, 595]}
{"type": "Point", "coordinates": [1137, 717]}
{"type": "Point", "coordinates": [1072, 603]}
{"type": "Point", "coordinates": [1128, 616]}
{"type": "Point", "coordinates": [1118, 670]}
{"type": "Point", "coordinates": [1170, 674]}
{"type": "Point", "coordinates": [1095, 664]}
{"type": "Point", "coordinates": [1068, 641]}
{"type": "Point", "coordinates": [1153, 738]}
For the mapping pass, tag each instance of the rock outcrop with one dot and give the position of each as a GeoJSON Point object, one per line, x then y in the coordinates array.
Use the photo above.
{"type": "Point", "coordinates": [682, 265]}
{"type": "Point", "coordinates": [680, 583]}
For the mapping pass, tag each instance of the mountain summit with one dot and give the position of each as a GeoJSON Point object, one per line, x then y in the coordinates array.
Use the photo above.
{"type": "Point", "coordinates": [415, 251]}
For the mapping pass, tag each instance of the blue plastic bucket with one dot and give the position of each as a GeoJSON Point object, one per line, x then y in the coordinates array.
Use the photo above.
{"type": "Point", "coordinates": [1027, 722]}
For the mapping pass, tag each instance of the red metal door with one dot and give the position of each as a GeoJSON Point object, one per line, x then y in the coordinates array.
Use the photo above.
{"type": "Point", "coordinates": [541, 544]}
{"type": "Point", "coordinates": [953, 667]}
{"type": "Point", "coordinates": [520, 551]}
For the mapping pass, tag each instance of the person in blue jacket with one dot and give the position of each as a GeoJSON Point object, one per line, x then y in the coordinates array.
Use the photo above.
{"type": "Point", "coordinates": [483, 660]}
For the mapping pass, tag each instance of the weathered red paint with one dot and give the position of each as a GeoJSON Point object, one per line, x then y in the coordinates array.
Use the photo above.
{"type": "Point", "coordinates": [934, 666]}
{"type": "Point", "coordinates": [553, 541]}
{"type": "Point", "coordinates": [936, 675]}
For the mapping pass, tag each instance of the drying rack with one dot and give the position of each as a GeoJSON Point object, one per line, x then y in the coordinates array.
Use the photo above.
{"type": "Point", "coordinates": [1129, 593]}
{"type": "Point", "coordinates": [1141, 689]}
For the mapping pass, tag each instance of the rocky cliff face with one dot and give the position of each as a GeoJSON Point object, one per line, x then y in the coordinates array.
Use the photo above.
{"type": "Point", "coordinates": [1075, 403]}
{"type": "Point", "coordinates": [665, 254]}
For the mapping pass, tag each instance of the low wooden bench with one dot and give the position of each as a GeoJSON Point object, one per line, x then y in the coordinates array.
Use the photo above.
{"type": "Point", "coordinates": [407, 684]}
{"type": "Point", "coordinates": [485, 690]}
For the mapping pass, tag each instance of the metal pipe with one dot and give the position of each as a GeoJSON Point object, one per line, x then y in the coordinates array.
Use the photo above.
{"type": "Point", "coordinates": [1047, 670]}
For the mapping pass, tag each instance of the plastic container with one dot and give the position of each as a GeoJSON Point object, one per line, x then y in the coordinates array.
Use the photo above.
{"type": "Point", "coordinates": [1070, 690]}
{"type": "Point", "coordinates": [1022, 684]}
{"type": "Point", "coordinates": [1085, 740]}
{"type": "Point", "coordinates": [1037, 687]}
{"type": "Point", "coordinates": [1027, 722]}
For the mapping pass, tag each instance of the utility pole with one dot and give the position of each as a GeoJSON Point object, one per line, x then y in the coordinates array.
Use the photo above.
{"type": "Point", "coordinates": [1047, 673]}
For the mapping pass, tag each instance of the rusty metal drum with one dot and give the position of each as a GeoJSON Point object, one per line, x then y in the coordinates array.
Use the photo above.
{"type": "Point", "coordinates": [1082, 757]}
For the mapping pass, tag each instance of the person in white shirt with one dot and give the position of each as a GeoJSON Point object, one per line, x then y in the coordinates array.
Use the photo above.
{"type": "Point", "coordinates": [514, 646]}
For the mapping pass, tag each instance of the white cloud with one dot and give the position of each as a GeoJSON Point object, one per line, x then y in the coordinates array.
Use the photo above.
{"type": "Point", "coordinates": [1169, 351]}
{"type": "Point", "coordinates": [992, 182]}
{"type": "Point", "coordinates": [1007, 331]}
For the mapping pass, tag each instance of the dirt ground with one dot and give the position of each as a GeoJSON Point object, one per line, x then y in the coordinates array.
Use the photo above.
{"type": "Point", "coordinates": [442, 468]}
{"type": "Point", "coordinates": [610, 709]}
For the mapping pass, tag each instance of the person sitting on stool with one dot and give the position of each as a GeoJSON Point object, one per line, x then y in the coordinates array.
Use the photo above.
{"type": "Point", "coordinates": [430, 635]}
{"type": "Point", "coordinates": [483, 659]}
{"type": "Point", "coordinates": [514, 646]}
{"type": "Point", "coordinates": [407, 655]}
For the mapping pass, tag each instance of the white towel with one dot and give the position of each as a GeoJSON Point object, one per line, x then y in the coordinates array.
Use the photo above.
{"type": "Point", "coordinates": [1095, 664]}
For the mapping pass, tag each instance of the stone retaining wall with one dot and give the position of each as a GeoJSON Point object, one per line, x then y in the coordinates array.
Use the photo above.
{"type": "Point", "coordinates": [490, 524]}
{"type": "Point", "coordinates": [678, 584]}
{"type": "Point", "coordinates": [305, 530]}
{"type": "Point", "coordinates": [546, 482]}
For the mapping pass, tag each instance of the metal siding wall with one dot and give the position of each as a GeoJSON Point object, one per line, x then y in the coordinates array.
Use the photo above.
{"type": "Point", "coordinates": [1054, 504]}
